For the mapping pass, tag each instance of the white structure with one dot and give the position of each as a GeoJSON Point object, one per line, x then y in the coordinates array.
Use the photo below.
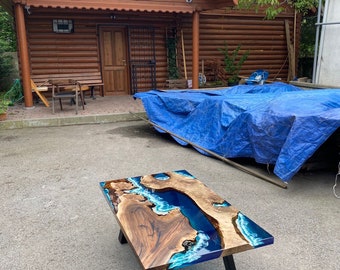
{"type": "Point", "coordinates": [327, 67]}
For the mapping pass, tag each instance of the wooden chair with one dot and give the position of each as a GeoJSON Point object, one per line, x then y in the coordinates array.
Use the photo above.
{"type": "Point", "coordinates": [38, 89]}
{"type": "Point", "coordinates": [72, 92]}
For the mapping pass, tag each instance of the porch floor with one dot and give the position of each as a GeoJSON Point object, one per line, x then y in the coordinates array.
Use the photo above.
{"type": "Point", "coordinates": [99, 110]}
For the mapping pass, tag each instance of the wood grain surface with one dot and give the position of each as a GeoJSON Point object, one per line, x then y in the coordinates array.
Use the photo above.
{"type": "Point", "coordinates": [154, 238]}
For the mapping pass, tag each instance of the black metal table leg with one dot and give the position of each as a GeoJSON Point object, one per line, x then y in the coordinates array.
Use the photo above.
{"type": "Point", "coordinates": [122, 238]}
{"type": "Point", "coordinates": [92, 92]}
{"type": "Point", "coordinates": [229, 263]}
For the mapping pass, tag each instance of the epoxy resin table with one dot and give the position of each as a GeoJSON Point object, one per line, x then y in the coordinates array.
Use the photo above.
{"type": "Point", "coordinates": [172, 220]}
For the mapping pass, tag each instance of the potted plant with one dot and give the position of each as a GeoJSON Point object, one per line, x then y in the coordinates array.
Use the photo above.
{"type": "Point", "coordinates": [233, 63]}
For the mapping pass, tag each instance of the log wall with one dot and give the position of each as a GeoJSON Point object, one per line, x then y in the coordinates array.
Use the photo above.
{"type": "Point", "coordinates": [265, 40]}
{"type": "Point", "coordinates": [55, 53]}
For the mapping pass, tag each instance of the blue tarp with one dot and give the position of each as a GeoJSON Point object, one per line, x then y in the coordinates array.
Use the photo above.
{"type": "Point", "coordinates": [273, 123]}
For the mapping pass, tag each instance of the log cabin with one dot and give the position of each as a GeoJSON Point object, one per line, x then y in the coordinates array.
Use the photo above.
{"type": "Point", "coordinates": [138, 45]}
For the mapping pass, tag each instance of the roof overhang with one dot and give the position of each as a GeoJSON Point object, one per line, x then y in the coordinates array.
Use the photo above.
{"type": "Point", "coordinates": [184, 6]}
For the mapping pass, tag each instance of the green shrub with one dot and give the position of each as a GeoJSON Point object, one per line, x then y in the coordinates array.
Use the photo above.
{"type": "Point", "coordinates": [6, 69]}
{"type": "Point", "coordinates": [233, 62]}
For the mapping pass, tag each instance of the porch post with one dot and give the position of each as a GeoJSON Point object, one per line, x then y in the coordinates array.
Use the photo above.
{"type": "Point", "coordinates": [195, 48]}
{"type": "Point", "coordinates": [23, 54]}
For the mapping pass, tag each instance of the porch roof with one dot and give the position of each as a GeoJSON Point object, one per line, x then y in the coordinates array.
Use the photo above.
{"type": "Point", "coordinates": [175, 6]}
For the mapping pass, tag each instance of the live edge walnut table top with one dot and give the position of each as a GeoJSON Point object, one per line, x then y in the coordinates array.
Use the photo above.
{"type": "Point", "coordinates": [172, 220]}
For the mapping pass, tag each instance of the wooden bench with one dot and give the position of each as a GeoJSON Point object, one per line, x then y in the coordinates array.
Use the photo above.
{"type": "Point", "coordinates": [176, 84]}
{"type": "Point", "coordinates": [90, 79]}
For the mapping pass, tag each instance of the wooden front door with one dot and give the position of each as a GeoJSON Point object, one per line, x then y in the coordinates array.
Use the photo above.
{"type": "Point", "coordinates": [114, 61]}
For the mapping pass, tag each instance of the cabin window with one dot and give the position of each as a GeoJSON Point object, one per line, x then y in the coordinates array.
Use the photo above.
{"type": "Point", "coordinates": [62, 26]}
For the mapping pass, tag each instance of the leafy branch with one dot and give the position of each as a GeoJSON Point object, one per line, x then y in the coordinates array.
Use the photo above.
{"type": "Point", "coordinates": [275, 7]}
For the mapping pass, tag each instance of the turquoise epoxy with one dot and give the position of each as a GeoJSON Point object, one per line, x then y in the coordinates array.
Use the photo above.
{"type": "Point", "coordinates": [161, 207]}
{"type": "Point", "coordinates": [224, 204]}
{"type": "Point", "coordinates": [255, 235]}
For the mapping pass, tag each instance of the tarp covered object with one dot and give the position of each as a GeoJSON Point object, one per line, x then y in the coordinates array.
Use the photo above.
{"type": "Point", "coordinates": [275, 123]}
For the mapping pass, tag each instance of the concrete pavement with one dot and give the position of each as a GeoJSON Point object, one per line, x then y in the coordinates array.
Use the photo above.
{"type": "Point", "coordinates": [54, 215]}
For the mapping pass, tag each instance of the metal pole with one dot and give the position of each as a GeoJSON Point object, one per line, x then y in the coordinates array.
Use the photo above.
{"type": "Point", "coordinates": [320, 41]}
{"type": "Point", "coordinates": [317, 36]}
{"type": "Point", "coordinates": [228, 161]}
{"type": "Point", "coordinates": [327, 23]}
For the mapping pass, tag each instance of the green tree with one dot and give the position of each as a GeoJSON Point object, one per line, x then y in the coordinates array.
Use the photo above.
{"type": "Point", "coordinates": [308, 28]}
{"type": "Point", "coordinates": [7, 44]}
{"type": "Point", "coordinates": [7, 32]}
{"type": "Point", "coordinates": [275, 7]}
